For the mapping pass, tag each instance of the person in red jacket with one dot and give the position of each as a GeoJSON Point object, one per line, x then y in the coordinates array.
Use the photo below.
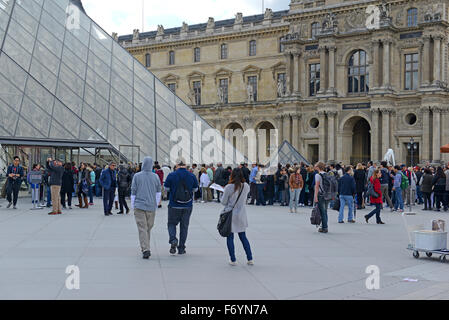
{"type": "Point", "coordinates": [377, 201]}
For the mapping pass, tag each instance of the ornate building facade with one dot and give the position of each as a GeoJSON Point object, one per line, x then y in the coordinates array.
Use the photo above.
{"type": "Point", "coordinates": [341, 80]}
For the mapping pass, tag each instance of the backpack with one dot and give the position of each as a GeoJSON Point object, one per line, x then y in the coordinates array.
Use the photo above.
{"type": "Point", "coordinates": [315, 218]}
{"type": "Point", "coordinates": [404, 182]}
{"type": "Point", "coordinates": [182, 195]}
{"type": "Point", "coordinates": [330, 186]}
{"type": "Point", "coordinates": [123, 181]}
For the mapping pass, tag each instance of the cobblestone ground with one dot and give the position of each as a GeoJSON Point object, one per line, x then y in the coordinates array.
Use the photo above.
{"type": "Point", "coordinates": [292, 260]}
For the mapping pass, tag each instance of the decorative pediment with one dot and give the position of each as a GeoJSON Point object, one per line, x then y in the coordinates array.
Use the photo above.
{"type": "Point", "coordinates": [251, 70]}
{"type": "Point", "coordinates": [278, 68]}
{"type": "Point", "coordinates": [223, 73]}
{"type": "Point", "coordinates": [196, 75]}
{"type": "Point", "coordinates": [170, 78]}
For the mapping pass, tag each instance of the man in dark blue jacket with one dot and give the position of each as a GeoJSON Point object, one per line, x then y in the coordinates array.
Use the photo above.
{"type": "Point", "coordinates": [346, 189]}
{"type": "Point", "coordinates": [181, 184]}
{"type": "Point", "coordinates": [15, 174]}
{"type": "Point", "coordinates": [108, 180]}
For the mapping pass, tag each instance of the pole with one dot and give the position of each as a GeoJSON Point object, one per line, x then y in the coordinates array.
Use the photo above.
{"type": "Point", "coordinates": [263, 6]}
{"type": "Point", "coordinates": [410, 212]}
{"type": "Point", "coordinates": [143, 15]}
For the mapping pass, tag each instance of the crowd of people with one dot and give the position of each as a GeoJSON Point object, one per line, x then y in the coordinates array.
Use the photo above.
{"type": "Point", "coordinates": [376, 185]}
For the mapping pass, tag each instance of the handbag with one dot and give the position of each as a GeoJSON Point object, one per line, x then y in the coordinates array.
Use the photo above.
{"type": "Point", "coordinates": [370, 191]}
{"type": "Point", "coordinates": [336, 205]}
{"type": "Point", "coordinates": [315, 218]}
{"type": "Point", "coordinates": [225, 221]}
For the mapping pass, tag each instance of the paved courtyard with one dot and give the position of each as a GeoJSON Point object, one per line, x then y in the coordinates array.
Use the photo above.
{"type": "Point", "coordinates": [292, 260]}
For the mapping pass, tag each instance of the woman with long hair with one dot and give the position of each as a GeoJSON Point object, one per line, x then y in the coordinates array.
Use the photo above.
{"type": "Point", "coordinates": [377, 201]}
{"type": "Point", "coordinates": [234, 198]}
{"type": "Point", "coordinates": [426, 188]}
{"type": "Point", "coordinates": [360, 178]}
{"type": "Point", "coordinates": [439, 188]}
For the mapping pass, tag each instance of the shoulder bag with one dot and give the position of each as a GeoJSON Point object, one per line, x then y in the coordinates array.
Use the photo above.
{"type": "Point", "coordinates": [225, 221]}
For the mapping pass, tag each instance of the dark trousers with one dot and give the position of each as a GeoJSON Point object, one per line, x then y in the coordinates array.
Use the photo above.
{"type": "Point", "coordinates": [253, 192]}
{"type": "Point", "coordinates": [260, 195]}
{"type": "Point", "coordinates": [108, 199]}
{"type": "Point", "coordinates": [122, 200]}
{"type": "Point", "coordinates": [323, 205]}
{"type": "Point", "coordinates": [439, 200]}
{"type": "Point", "coordinates": [97, 189]}
{"type": "Point", "coordinates": [376, 212]}
{"type": "Point", "coordinates": [69, 198]}
{"type": "Point", "coordinates": [245, 243]}
{"type": "Point", "coordinates": [178, 216]}
{"type": "Point", "coordinates": [12, 192]}
{"type": "Point", "coordinates": [427, 200]}
{"type": "Point", "coordinates": [359, 199]}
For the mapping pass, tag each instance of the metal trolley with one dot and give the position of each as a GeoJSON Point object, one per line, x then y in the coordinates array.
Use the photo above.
{"type": "Point", "coordinates": [429, 253]}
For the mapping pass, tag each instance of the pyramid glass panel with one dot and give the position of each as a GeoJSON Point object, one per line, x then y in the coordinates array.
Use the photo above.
{"type": "Point", "coordinates": [62, 77]}
{"type": "Point", "coordinates": [286, 154]}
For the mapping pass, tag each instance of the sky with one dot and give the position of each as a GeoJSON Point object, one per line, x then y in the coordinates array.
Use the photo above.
{"type": "Point", "coordinates": [123, 16]}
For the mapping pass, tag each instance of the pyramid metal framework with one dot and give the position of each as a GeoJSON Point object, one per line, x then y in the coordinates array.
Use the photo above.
{"type": "Point", "coordinates": [63, 79]}
{"type": "Point", "coordinates": [287, 154]}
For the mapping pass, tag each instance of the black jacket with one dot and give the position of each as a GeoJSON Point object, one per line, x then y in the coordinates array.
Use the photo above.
{"type": "Point", "coordinates": [56, 174]}
{"type": "Point", "coordinates": [360, 180]}
{"type": "Point", "coordinates": [67, 181]}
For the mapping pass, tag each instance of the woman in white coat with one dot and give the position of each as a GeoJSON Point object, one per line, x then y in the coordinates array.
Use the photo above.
{"type": "Point", "coordinates": [231, 193]}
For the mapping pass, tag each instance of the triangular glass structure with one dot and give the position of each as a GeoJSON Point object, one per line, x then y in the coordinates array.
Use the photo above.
{"type": "Point", "coordinates": [286, 154]}
{"type": "Point", "coordinates": [62, 78]}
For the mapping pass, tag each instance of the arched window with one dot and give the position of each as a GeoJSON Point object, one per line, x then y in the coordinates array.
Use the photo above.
{"type": "Point", "coordinates": [171, 58]}
{"type": "Point", "coordinates": [315, 29]}
{"type": "Point", "coordinates": [148, 60]}
{"type": "Point", "coordinates": [358, 72]}
{"type": "Point", "coordinates": [412, 17]}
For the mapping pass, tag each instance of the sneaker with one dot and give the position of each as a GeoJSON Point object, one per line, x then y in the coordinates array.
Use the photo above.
{"type": "Point", "coordinates": [250, 262]}
{"type": "Point", "coordinates": [120, 212]}
{"type": "Point", "coordinates": [9, 205]}
{"type": "Point", "coordinates": [233, 263]}
{"type": "Point", "coordinates": [14, 207]}
{"type": "Point", "coordinates": [146, 254]}
{"type": "Point", "coordinates": [173, 247]}
{"type": "Point", "coordinates": [321, 230]}
{"type": "Point", "coordinates": [341, 222]}
{"type": "Point", "coordinates": [181, 252]}
{"type": "Point", "coordinates": [351, 221]}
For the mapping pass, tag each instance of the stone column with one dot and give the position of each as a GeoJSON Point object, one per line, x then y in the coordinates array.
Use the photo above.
{"type": "Point", "coordinates": [280, 126]}
{"type": "Point", "coordinates": [288, 73]}
{"type": "Point", "coordinates": [385, 129]}
{"type": "Point", "coordinates": [437, 60]}
{"type": "Point", "coordinates": [322, 135]}
{"type": "Point", "coordinates": [296, 74]}
{"type": "Point", "coordinates": [323, 68]}
{"type": "Point", "coordinates": [375, 135]}
{"type": "Point", "coordinates": [331, 135]}
{"type": "Point", "coordinates": [295, 131]}
{"type": "Point", "coordinates": [331, 88]}
{"type": "Point", "coordinates": [374, 72]}
{"type": "Point", "coordinates": [426, 60]}
{"type": "Point", "coordinates": [386, 64]}
{"type": "Point", "coordinates": [436, 123]}
{"type": "Point", "coordinates": [425, 148]}
{"type": "Point", "coordinates": [286, 128]}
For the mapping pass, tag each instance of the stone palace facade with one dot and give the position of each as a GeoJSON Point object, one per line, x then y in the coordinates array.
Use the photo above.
{"type": "Point", "coordinates": [341, 80]}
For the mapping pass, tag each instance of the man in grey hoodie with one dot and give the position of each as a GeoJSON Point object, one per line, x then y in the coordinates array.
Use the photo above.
{"type": "Point", "coordinates": [145, 186]}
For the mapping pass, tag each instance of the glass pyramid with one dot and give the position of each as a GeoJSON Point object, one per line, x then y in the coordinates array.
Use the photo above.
{"type": "Point", "coordinates": [63, 78]}
{"type": "Point", "coordinates": [286, 154]}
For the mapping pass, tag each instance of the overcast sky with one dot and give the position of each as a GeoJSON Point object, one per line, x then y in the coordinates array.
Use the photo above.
{"type": "Point", "coordinates": [123, 16]}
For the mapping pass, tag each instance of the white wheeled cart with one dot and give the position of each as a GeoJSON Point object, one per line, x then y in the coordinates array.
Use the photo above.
{"type": "Point", "coordinates": [429, 253]}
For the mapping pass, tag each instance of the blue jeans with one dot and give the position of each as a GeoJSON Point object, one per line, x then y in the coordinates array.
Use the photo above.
{"type": "Point", "coordinates": [245, 243]}
{"type": "Point", "coordinates": [48, 196]}
{"type": "Point", "coordinates": [346, 200]}
{"type": "Point", "coordinates": [419, 195]}
{"type": "Point", "coordinates": [376, 212]}
{"type": "Point", "coordinates": [399, 202]}
{"type": "Point", "coordinates": [91, 194]}
{"type": "Point", "coordinates": [302, 196]}
{"type": "Point", "coordinates": [178, 216]}
{"type": "Point", "coordinates": [108, 199]}
{"type": "Point", "coordinates": [97, 190]}
{"type": "Point", "coordinates": [260, 197]}
{"type": "Point", "coordinates": [323, 205]}
{"type": "Point", "coordinates": [294, 197]}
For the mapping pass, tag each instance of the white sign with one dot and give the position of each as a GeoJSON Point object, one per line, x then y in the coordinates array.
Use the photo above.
{"type": "Point", "coordinates": [73, 280]}
{"type": "Point", "coordinates": [373, 19]}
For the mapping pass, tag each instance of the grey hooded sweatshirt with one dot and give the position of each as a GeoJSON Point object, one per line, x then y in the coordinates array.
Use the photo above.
{"type": "Point", "coordinates": [144, 187]}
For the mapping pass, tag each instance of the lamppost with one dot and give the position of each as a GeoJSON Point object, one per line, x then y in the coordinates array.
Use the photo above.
{"type": "Point", "coordinates": [411, 146]}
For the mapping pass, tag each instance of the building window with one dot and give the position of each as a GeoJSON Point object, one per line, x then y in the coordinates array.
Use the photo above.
{"type": "Point", "coordinates": [252, 81]}
{"type": "Point", "coordinates": [196, 55]}
{"type": "Point", "coordinates": [252, 48]}
{"type": "Point", "coordinates": [171, 58]}
{"type": "Point", "coordinates": [148, 60]}
{"type": "Point", "coordinates": [224, 51]}
{"type": "Point", "coordinates": [281, 45]}
{"type": "Point", "coordinates": [411, 71]}
{"type": "Point", "coordinates": [283, 80]}
{"type": "Point", "coordinates": [315, 29]}
{"type": "Point", "coordinates": [172, 87]}
{"type": "Point", "coordinates": [412, 17]}
{"type": "Point", "coordinates": [224, 85]}
{"type": "Point", "coordinates": [314, 79]}
{"type": "Point", "coordinates": [358, 73]}
{"type": "Point", "coordinates": [197, 92]}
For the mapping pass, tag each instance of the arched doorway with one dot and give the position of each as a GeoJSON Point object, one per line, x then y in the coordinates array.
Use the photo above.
{"type": "Point", "coordinates": [356, 141]}
{"type": "Point", "coordinates": [235, 135]}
